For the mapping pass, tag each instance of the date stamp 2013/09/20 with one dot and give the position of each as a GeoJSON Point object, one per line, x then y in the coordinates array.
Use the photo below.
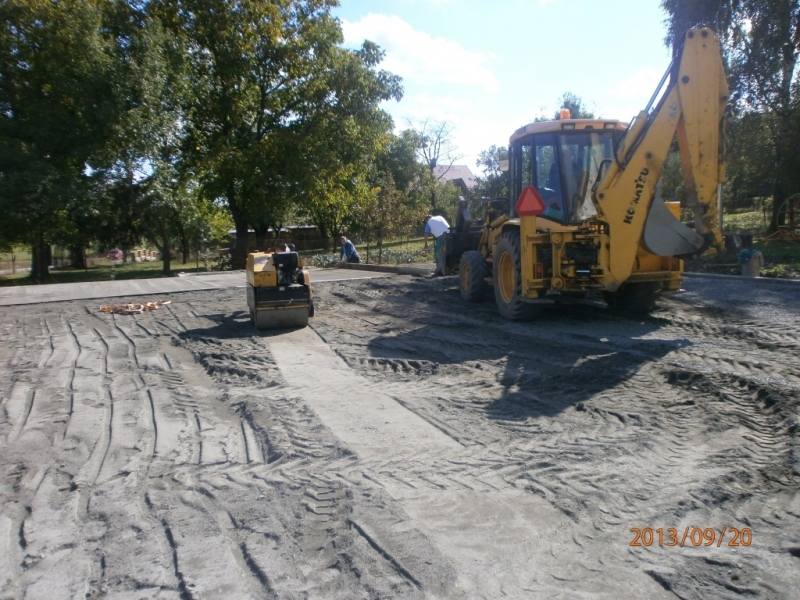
{"type": "Point", "coordinates": [691, 536]}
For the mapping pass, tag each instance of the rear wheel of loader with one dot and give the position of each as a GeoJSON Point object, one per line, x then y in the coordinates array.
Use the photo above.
{"type": "Point", "coordinates": [508, 280]}
{"type": "Point", "coordinates": [472, 275]}
{"type": "Point", "coordinates": [637, 298]}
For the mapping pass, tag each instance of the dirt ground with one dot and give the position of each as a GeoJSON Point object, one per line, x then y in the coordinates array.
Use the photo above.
{"type": "Point", "coordinates": [406, 445]}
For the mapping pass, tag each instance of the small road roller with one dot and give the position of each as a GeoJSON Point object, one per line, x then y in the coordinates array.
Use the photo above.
{"type": "Point", "coordinates": [278, 290]}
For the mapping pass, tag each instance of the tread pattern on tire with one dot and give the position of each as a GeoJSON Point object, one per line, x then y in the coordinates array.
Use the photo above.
{"type": "Point", "coordinates": [476, 287]}
{"type": "Point", "coordinates": [517, 309]}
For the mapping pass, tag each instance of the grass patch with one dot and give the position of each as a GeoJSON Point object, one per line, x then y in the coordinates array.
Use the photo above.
{"type": "Point", "coordinates": [781, 259]}
{"type": "Point", "coordinates": [102, 272]}
{"type": "Point", "coordinates": [393, 253]}
{"type": "Point", "coordinates": [748, 222]}
{"type": "Point", "coordinates": [18, 252]}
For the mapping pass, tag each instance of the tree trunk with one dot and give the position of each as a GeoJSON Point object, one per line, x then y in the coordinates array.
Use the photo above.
{"type": "Point", "coordinates": [326, 238]}
{"type": "Point", "coordinates": [242, 242]}
{"type": "Point", "coordinates": [185, 249]}
{"type": "Point", "coordinates": [262, 243]}
{"type": "Point", "coordinates": [40, 256]}
{"type": "Point", "coordinates": [166, 256]}
{"type": "Point", "coordinates": [779, 186]}
{"type": "Point", "coordinates": [77, 258]}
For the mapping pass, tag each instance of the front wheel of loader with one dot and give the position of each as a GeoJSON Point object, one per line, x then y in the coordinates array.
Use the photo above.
{"type": "Point", "coordinates": [638, 298]}
{"type": "Point", "coordinates": [508, 280]}
{"type": "Point", "coordinates": [472, 276]}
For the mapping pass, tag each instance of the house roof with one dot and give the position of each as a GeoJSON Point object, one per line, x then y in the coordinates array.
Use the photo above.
{"type": "Point", "coordinates": [454, 173]}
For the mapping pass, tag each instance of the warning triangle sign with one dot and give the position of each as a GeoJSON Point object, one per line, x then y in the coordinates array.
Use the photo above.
{"type": "Point", "coordinates": [529, 202]}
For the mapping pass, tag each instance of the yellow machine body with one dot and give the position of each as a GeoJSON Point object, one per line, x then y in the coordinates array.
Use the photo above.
{"type": "Point", "coordinates": [585, 212]}
{"type": "Point", "coordinates": [278, 290]}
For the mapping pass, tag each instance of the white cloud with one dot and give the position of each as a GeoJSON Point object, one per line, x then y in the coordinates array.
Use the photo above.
{"type": "Point", "coordinates": [433, 2]}
{"type": "Point", "coordinates": [417, 55]}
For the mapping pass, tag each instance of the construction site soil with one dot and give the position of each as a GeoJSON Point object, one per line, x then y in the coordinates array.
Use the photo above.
{"type": "Point", "coordinates": [405, 445]}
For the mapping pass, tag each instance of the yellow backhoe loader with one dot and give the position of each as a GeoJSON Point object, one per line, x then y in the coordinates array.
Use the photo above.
{"type": "Point", "coordinates": [278, 290]}
{"type": "Point", "coordinates": [584, 214]}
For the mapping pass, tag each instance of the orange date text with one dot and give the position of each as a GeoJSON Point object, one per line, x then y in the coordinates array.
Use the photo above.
{"type": "Point", "coordinates": [692, 536]}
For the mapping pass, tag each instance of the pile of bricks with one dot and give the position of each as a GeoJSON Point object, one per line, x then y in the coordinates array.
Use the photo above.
{"type": "Point", "coordinates": [142, 255]}
{"type": "Point", "coordinates": [133, 309]}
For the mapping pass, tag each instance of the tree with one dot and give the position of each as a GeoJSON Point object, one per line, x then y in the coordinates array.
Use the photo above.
{"type": "Point", "coordinates": [265, 74]}
{"type": "Point", "coordinates": [494, 182]}
{"type": "Point", "coordinates": [576, 106]}
{"type": "Point", "coordinates": [343, 140]}
{"type": "Point", "coordinates": [141, 162]}
{"type": "Point", "coordinates": [435, 148]}
{"type": "Point", "coordinates": [56, 109]}
{"type": "Point", "coordinates": [761, 39]}
{"type": "Point", "coordinates": [435, 143]}
{"type": "Point", "coordinates": [398, 203]}
{"type": "Point", "coordinates": [751, 158]}
{"type": "Point", "coordinates": [574, 103]}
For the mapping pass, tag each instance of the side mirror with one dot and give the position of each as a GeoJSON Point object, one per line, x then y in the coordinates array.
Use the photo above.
{"type": "Point", "coordinates": [503, 161]}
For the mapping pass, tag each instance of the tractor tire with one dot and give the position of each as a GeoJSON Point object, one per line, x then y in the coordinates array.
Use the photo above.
{"type": "Point", "coordinates": [472, 276]}
{"type": "Point", "coordinates": [636, 298]}
{"type": "Point", "coordinates": [508, 281]}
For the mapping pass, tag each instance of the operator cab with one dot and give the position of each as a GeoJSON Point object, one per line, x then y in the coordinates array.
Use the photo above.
{"type": "Point", "coordinates": [561, 159]}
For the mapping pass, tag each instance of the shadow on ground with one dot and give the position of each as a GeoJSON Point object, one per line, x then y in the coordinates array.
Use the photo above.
{"type": "Point", "coordinates": [569, 354]}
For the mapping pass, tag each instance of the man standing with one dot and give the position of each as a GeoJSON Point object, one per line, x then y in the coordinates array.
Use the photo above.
{"type": "Point", "coordinates": [349, 252]}
{"type": "Point", "coordinates": [437, 227]}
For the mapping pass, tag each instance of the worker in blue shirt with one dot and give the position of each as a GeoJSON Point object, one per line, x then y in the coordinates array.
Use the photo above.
{"type": "Point", "coordinates": [349, 252]}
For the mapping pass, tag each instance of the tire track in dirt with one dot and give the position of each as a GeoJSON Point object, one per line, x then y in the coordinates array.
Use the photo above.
{"type": "Point", "coordinates": [645, 399]}
{"type": "Point", "coordinates": [70, 385]}
{"type": "Point", "coordinates": [573, 429]}
{"type": "Point", "coordinates": [302, 461]}
{"type": "Point", "coordinates": [412, 475]}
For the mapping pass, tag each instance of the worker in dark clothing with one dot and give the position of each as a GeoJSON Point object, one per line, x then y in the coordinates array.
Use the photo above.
{"type": "Point", "coordinates": [349, 252]}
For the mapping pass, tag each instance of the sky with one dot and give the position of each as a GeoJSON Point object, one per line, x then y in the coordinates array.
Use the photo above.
{"type": "Point", "coordinates": [491, 67]}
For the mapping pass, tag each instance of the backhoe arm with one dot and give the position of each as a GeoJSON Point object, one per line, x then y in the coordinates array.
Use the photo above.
{"type": "Point", "coordinates": [693, 106]}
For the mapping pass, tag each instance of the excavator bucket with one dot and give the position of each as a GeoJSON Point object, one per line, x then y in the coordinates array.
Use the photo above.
{"type": "Point", "coordinates": [665, 235]}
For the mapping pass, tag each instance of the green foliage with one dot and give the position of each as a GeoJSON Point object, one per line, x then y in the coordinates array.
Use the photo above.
{"type": "Point", "coordinates": [493, 183]}
{"type": "Point", "coordinates": [388, 256]}
{"type": "Point", "coordinates": [175, 121]}
{"type": "Point", "coordinates": [781, 260]}
{"type": "Point", "coordinates": [56, 62]}
{"type": "Point", "coordinates": [141, 165]}
{"type": "Point", "coordinates": [760, 44]}
{"type": "Point", "coordinates": [219, 224]}
{"type": "Point", "coordinates": [397, 203]}
{"type": "Point", "coordinates": [755, 222]}
{"type": "Point", "coordinates": [672, 181]}
{"type": "Point", "coordinates": [574, 103]}
{"type": "Point", "coordinates": [281, 116]}
{"type": "Point", "coordinates": [446, 200]}
{"type": "Point", "coordinates": [576, 106]}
